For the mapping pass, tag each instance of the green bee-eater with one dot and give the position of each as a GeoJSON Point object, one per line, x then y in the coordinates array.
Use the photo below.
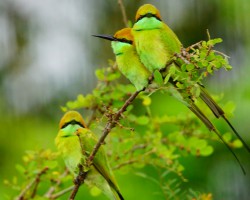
{"type": "Point", "coordinates": [72, 130]}
{"type": "Point", "coordinates": [127, 58]}
{"type": "Point", "coordinates": [156, 45]}
{"type": "Point", "coordinates": [155, 42]}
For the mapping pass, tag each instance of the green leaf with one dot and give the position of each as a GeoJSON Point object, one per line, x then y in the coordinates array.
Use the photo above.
{"type": "Point", "coordinates": [237, 143]}
{"type": "Point", "coordinates": [204, 44]}
{"type": "Point", "coordinates": [113, 76]}
{"type": "Point", "coordinates": [214, 41]}
{"type": "Point", "coordinates": [184, 67]}
{"type": "Point", "coordinates": [227, 137]}
{"type": "Point", "coordinates": [190, 67]}
{"type": "Point", "coordinates": [146, 100]}
{"type": "Point", "coordinates": [172, 70]}
{"type": "Point", "coordinates": [51, 164]}
{"type": "Point", "coordinates": [204, 63]}
{"type": "Point", "coordinates": [203, 54]}
{"type": "Point", "coordinates": [179, 85]}
{"type": "Point", "coordinates": [158, 77]}
{"type": "Point", "coordinates": [228, 67]}
{"type": "Point", "coordinates": [132, 117]}
{"type": "Point", "coordinates": [166, 79]}
{"type": "Point", "coordinates": [94, 191]}
{"type": "Point", "coordinates": [207, 151]}
{"type": "Point", "coordinates": [20, 168]}
{"type": "Point", "coordinates": [142, 120]}
{"type": "Point", "coordinates": [210, 68]}
{"type": "Point", "coordinates": [100, 74]}
{"type": "Point", "coordinates": [195, 90]}
{"type": "Point", "coordinates": [211, 56]}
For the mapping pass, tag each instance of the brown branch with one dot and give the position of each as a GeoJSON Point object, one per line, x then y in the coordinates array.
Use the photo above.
{"type": "Point", "coordinates": [34, 182]}
{"type": "Point", "coordinates": [124, 16]}
{"type": "Point", "coordinates": [111, 124]}
{"type": "Point", "coordinates": [197, 44]}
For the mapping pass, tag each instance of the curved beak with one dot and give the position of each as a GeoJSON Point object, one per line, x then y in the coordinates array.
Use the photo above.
{"type": "Point", "coordinates": [106, 37]}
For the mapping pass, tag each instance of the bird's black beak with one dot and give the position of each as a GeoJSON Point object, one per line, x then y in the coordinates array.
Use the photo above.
{"type": "Point", "coordinates": [106, 37]}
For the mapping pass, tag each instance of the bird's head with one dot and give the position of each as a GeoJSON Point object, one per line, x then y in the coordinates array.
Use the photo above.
{"type": "Point", "coordinates": [71, 118]}
{"type": "Point", "coordinates": [124, 35]}
{"type": "Point", "coordinates": [147, 10]}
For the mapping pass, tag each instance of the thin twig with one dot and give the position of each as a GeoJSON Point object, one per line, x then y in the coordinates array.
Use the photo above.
{"type": "Point", "coordinates": [51, 190]}
{"type": "Point", "coordinates": [58, 194]}
{"type": "Point", "coordinates": [208, 35]}
{"type": "Point", "coordinates": [111, 124]}
{"type": "Point", "coordinates": [21, 195]}
{"type": "Point", "coordinates": [33, 182]}
{"type": "Point", "coordinates": [226, 56]}
{"type": "Point", "coordinates": [124, 16]}
{"type": "Point", "coordinates": [197, 44]}
{"type": "Point", "coordinates": [124, 164]}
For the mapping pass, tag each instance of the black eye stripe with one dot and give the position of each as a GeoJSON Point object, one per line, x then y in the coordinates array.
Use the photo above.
{"type": "Point", "coordinates": [148, 15]}
{"type": "Point", "coordinates": [72, 122]}
{"type": "Point", "coordinates": [124, 40]}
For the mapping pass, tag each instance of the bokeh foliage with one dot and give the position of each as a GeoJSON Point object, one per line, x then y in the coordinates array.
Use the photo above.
{"type": "Point", "coordinates": [142, 138]}
{"type": "Point", "coordinates": [37, 127]}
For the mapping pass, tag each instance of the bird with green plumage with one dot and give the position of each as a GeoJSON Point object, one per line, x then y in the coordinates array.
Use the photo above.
{"type": "Point", "coordinates": [127, 59]}
{"type": "Point", "coordinates": [156, 45]}
{"type": "Point", "coordinates": [75, 142]}
{"type": "Point", "coordinates": [155, 42]}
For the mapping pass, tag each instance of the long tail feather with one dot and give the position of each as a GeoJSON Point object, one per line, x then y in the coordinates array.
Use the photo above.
{"type": "Point", "coordinates": [218, 112]}
{"type": "Point", "coordinates": [211, 127]}
{"type": "Point", "coordinates": [209, 124]}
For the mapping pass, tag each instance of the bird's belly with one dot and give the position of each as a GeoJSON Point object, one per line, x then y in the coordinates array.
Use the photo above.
{"type": "Point", "coordinates": [71, 152]}
{"type": "Point", "coordinates": [151, 50]}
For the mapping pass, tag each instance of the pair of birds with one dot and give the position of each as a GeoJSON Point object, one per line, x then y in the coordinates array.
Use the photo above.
{"type": "Point", "coordinates": [139, 51]}
{"type": "Point", "coordinates": [149, 46]}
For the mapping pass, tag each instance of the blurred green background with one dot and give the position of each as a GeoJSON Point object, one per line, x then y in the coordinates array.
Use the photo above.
{"type": "Point", "coordinates": [47, 57]}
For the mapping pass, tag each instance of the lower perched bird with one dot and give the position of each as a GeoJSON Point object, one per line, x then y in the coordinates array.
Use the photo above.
{"type": "Point", "coordinates": [131, 66]}
{"type": "Point", "coordinates": [72, 130]}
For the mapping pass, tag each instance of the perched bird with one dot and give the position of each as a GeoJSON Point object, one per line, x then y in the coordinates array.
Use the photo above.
{"type": "Point", "coordinates": [127, 58]}
{"type": "Point", "coordinates": [72, 130]}
{"type": "Point", "coordinates": [156, 44]}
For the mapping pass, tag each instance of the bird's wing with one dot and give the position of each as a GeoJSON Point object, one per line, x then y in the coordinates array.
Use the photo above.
{"type": "Point", "coordinates": [100, 161]}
